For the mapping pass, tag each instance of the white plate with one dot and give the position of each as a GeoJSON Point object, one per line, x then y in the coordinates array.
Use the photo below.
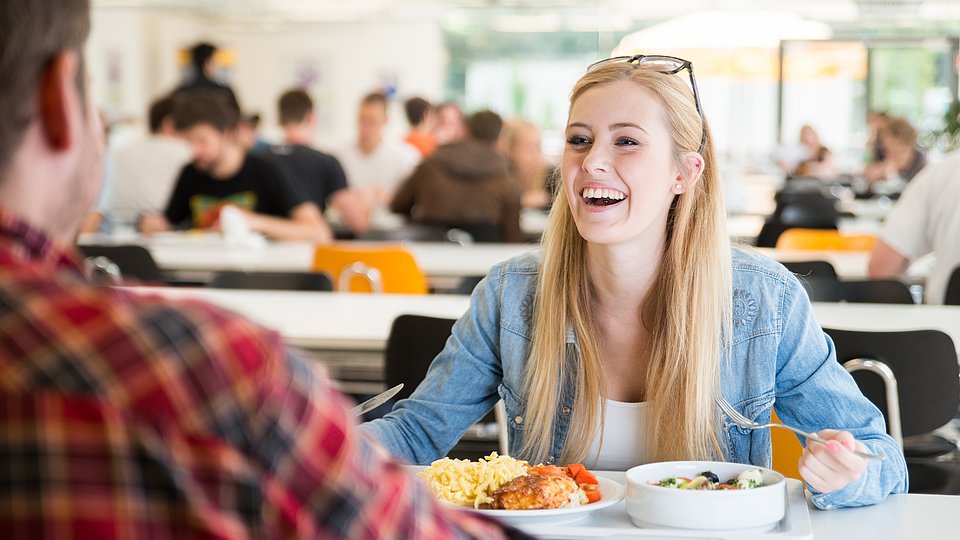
{"type": "Point", "coordinates": [611, 493]}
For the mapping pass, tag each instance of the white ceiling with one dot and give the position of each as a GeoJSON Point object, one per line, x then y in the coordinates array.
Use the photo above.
{"type": "Point", "coordinates": [867, 12]}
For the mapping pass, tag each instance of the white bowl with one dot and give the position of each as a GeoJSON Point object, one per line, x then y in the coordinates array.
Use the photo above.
{"type": "Point", "coordinates": [758, 509]}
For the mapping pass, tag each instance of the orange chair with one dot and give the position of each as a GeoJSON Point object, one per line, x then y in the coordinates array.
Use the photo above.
{"type": "Point", "coordinates": [386, 269]}
{"type": "Point", "coordinates": [786, 450]}
{"type": "Point", "coordinates": [824, 239]}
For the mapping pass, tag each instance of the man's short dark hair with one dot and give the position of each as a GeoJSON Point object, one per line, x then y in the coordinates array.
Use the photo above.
{"type": "Point", "coordinates": [200, 54]}
{"type": "Point", "coordinates": [31, 33]}
{"type": "Point", "coordinates": [208, 108]}
{"type": "Point", "coordinates": [416, 108]}
{"type": "Point", "coordinates": [294, 106]}
{"type": "Point", "coordinates": [485, 126]}
{"type": "Point", "coordinates": [160, 110]}
{"type": "Point", "coordinates": [375, 98]}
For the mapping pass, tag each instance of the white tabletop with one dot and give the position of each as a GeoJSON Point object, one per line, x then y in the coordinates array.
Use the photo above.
{"type": "Point", "coordinates": [202, 252]}
{"type": "Point", "coordinates": [345, 321]}
{"type": "Point", "coordinates": [898, 517]}
{"type": "Point", "coordinates": [187, 252]}
{"type": "Point", "coordinates": [848, 264]}
{"type": "Point", "coordinates": [323, 320]}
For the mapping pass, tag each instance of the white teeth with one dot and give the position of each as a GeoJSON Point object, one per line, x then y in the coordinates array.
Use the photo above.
{"type": "Point", "coordinates": [600, 193]}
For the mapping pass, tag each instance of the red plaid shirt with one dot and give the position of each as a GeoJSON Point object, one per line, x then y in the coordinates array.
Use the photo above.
{"type": "Point", "coordinates": [123, 416]}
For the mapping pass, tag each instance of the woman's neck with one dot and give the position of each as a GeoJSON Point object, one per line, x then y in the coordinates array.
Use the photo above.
{"type": "Point", "coordinates": [621, 276]}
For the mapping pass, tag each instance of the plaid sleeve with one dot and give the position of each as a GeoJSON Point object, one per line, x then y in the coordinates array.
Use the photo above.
{"type": "Point", "coordinates": [326, 480]}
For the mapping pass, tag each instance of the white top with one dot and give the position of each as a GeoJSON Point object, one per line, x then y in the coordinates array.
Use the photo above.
{"type": "Point", "coordinates": [622, 446]}
{"type": "Point", "coordinates": [144, 173]}
{"type": "Point", "coordinates": [925, 220]}
{"type": "Point", "coordinates": [388, 165]}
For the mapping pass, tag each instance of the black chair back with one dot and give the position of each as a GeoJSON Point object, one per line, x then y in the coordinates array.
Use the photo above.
{"type": "Point", "coordinates": [809, 269]}
{"type": "Point", "coordinates": [881, 291]}
{"type": "Point", "coordinates": [809, 216]}
{"type": "Point", "coordinates": [952, 297]}
{"type": "Point", "coordinates": [802, 203]}
{"type": "Point", "coordinates": [134, 261]}
{"type": "Point", "coordinates": [411, 232]}
{"type": "Point", "coordinates": [413, 343]}
{"type": "Point", "coordinates": [924, 363]}
{"type": "Point", "coordinates": [281, 281]}
{"type": "Point", "coordinates": [478, 232]}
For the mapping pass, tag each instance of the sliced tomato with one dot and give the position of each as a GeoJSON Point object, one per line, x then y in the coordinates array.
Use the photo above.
{"type": "Point", "coordinates": [573, 470]}
{"type": "Point", "coordinates": [592, 496]}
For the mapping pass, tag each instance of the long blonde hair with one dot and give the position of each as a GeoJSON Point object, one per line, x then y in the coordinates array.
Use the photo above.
{"type": "Point", "coordinates": [687, 311]}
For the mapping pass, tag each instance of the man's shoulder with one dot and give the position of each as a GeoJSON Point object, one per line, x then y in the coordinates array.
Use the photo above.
{"type": "Point", "coordinates": [945, 171]}
{"type": "Point", "coordinates": [119, 329]}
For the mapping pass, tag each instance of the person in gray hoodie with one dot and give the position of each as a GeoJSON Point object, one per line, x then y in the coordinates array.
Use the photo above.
{"type": "Point", "coordinates": [466, 185]}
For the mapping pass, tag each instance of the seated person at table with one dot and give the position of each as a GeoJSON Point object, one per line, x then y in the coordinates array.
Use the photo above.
{"type": "Point", "coordinates": [223, 173]}
{"type": "Point", "coordinates": [126, 416]}
{"type": "Point", "coordinates": [522, 146]}
{"type": "Point", "coordinates": [376, 163]}
{"type": "Point", "coordinates": [144, 172]}
{"type": "Point", "coordinates": [611, 346]}
{"type": "Point", "coordinates": [317, 175]}
{"type": "Point", "coordinates": [465, 184]}
{"type": "Point", "coordinates": [924, 220]}
{"type": "Point", "coordinates": [422, 118]}
{"type": "Point", "coordinates": [817, 160]}
{"type": "Point", "coordinates": [903, 159]}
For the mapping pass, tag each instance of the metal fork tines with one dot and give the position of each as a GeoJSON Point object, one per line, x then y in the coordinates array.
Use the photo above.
{"type": "Point", "coordinates": [747, 423]}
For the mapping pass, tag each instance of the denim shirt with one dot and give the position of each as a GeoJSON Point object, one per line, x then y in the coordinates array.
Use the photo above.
{"type": "Point", "coordinates": [779, 355]}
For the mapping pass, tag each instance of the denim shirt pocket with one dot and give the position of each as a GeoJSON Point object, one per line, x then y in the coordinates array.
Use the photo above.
{"type": "Point", "coordinates": [516, 408]}
{"type": "Point", "coordinates": [745, 445]}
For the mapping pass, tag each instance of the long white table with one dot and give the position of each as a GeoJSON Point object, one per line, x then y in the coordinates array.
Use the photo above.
{"type": "Point", "coordinates": [194, 255]}
{"type": "Point", "coordinates": [198, 255]}
{"type": "Point", "coordinates": [848, 264]}
{"type": "Point", "coordinates": [361, 322]}
{"type": "Point", "coordinates": [353, 321]}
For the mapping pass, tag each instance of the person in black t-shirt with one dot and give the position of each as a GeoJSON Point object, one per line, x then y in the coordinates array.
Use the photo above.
{"type": "Point", "coordinates": [222, 173]}
{"type": "Point", "coordinates": [319, 176]}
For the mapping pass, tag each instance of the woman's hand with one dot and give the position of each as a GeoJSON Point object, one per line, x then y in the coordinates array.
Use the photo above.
{"type": "Point", "coordinates": [829, 467]}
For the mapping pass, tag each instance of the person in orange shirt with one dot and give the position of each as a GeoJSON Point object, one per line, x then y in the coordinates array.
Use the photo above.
{"type": "Point", "coordinates": [422, 118]}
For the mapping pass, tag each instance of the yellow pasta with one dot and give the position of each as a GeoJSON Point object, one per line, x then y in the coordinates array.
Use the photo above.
{"type": "Point", "coordinates": [466, 482]}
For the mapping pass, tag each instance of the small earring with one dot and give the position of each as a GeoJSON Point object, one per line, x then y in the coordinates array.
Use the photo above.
{"type": "Point", "coordinates": [678, 188]}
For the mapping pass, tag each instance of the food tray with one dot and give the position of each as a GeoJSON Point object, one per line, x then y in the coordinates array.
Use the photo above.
{"type": "Point", "coordinates": [613, 522]}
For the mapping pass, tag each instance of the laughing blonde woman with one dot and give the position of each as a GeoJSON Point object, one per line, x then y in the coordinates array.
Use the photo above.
{"type": "Point", "coordinates": [611, 345]}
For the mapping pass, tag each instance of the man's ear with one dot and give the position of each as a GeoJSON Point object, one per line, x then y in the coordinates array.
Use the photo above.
{"type": "Point", "coordinates": [691, 169]}
{"type": "Point", "coordinates": [58, 95]}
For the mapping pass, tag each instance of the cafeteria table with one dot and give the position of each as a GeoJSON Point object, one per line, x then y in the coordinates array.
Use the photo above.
{"type": "Point", "coordinates": [348, 331]}
{"type": "Point", "coordinates": [358, 324]}
{"type": "Point", "coordinates": [194, 257]}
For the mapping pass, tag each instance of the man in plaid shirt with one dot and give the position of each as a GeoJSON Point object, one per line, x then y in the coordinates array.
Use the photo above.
{"type": "Point", "coordinates": [130, 417]}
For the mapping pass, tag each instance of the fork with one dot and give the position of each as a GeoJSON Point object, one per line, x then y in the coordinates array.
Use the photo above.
{"type": "Point", "coordinates": [747, 423]}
